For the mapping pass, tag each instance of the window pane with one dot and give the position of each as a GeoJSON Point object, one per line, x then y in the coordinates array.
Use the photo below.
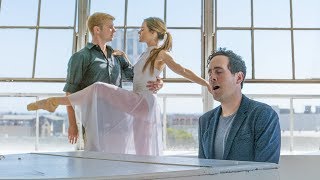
{"type": "Point", "coordinates": [278, 104]}
{"type": "Point", "coordinates": [233, 13]}
{"type": "Point", "coordinates": [240, 43]}
{"type": "Point", "coordinates": [134, 47]}
{"type": "Point", "coordinates": [273, 58]}
{"type": "Point", "coordinates": [17, 125]}
{"type": "Point", "coordinates": [306, 125]}
{"type": "Point", "coordinates": [181, 88]}
{"type": "Point", "coordinates": [19, 13]}
{"type": "Point", "coordinates": [306, 13]}
{"type": "Point", "coordinates": [307, 106]}
{"type": "Point", "coordinates": [53, 53]}
{"type": "Point", "coordinates": [130, 46]}
{"type": "Point", "coordinates": [118, 39]}
{"type": "Point", "coordinates": [188, 55]}
{"type": "Point", "coordinates": [50, 17]}
{"type": "Point", "coordinates": [279, 17]}
{"type": "Point", "coordinates": [184, 105]}
{"type": "Point", "coordinates": [182, 116]}
{"type": "Point", "coordinates": [307, 57]}
{"type": "Point", "coordinates": [14, 104]}
{"type": "Point", "coordinates": [181, 133]}
{"type": "Point", "coordinates": [306, 113]}
{"type": "Point", "coordinates": [114, 8]}
{"type": "Point", "coordinates": [18, 128]}
{"type": "Point", "coordinates": [283, 88]}
{"type": "Point", "coordinates": [190, 10]}
{"type": "Point", "coordinates": [30, 87]}
{"type": "Point", "coordinates": [16, 61]}
{"type": "Point", "coordinates": [138, 11]}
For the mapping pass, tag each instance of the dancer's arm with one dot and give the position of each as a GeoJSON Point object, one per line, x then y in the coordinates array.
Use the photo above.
{"type": "Point", "coordinates": [177, 68]}
{"type": "Point", "coordinates": [125, 65]}
{"type": "Point", "coordinates": [117, 52]}
{"type": "Point", "coordinates": [73, 128]}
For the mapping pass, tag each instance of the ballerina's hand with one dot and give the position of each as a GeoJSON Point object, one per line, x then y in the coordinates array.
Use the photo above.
{"type": "Point", "coordinates": [209, 87]}
{"type": "Point", "coordinates": [155, 86]}
{"type": "Point", "coordinates": [118, 53]}
{"type": "Point", "coordinates": [121, 53]}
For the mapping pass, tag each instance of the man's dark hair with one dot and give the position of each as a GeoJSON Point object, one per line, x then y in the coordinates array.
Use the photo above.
{"type": "Point", "coordinates": [236, 63]}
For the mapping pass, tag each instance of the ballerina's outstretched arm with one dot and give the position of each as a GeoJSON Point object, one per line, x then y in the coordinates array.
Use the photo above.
{"type": "Point", "coordinates": [167, 59]}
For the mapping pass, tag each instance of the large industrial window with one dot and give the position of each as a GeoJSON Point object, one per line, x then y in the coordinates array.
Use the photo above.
{"type": "Point", "coordinates": [35, 51]}
{"type": "Point", "coordinates": [278, 40]}
{"type": "Point", "coordinates": [37, 39]}
{"type": "Point", "coordinates": [279, 47]}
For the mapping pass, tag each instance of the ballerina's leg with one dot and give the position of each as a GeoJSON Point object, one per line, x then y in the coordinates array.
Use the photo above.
{"type": "Point", "coordinates": [49, 104]}
{"type": "Point", "coordinates": [124, 100]}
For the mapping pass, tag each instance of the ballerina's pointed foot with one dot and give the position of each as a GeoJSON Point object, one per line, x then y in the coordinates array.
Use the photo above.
{"type": "Point", "coordinates": [49, 104]}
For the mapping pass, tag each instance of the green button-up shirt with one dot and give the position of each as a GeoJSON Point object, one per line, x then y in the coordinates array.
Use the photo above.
{"type": "Point", "coordinates": [89, 65]}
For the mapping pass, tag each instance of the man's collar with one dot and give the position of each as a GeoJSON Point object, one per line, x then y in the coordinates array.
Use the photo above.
{"type": "Point", "coordinates": [91, 45]}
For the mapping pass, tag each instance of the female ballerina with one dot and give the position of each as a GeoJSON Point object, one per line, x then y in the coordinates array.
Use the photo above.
{"type": "Point", "coordinates": [108, 112]}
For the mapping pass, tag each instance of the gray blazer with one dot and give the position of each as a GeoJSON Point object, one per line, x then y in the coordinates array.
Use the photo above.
{"type": "Point", "coordinates": [254, 134]}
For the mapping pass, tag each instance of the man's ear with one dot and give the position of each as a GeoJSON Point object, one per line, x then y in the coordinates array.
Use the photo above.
{"type": "Point", "coordinates": [96, 29]}
{"type": "Point", "coordinates": [240, 77]}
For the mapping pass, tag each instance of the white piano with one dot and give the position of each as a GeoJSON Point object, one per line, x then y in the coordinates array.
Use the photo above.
{"type": "Point", "coordinates": [95, 165]}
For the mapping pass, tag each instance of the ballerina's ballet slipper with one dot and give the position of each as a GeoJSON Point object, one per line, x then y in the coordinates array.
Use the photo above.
{"type": "Point", "coordinates": [46, 104]}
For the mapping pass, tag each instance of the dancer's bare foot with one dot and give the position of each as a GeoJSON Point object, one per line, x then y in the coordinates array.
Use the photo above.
{"type": "Point", "coordinates": [49, 104]}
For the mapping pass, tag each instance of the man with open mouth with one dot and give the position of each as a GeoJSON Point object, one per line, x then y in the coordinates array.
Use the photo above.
{"type": "Point", "coordinates": [240, 128]}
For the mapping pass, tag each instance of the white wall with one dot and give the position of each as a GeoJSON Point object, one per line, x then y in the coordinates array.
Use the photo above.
{"type": "Point", "coordinates": [300, 167]}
